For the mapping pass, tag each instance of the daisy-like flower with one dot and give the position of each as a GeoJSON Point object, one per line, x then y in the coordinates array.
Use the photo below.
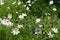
{"type": "Point", "coordinates": [51, 2]}
{"type": "Point", "coordinates": [54, 9]}
{"type": "Point", "coordinates": [15, 31]}
{"type": "Point", "coordinates": [9, 24]}
{"type": "Point", "coordinates": [50, 35]}
{"type": "Point", "coordinates": [55, 30]}
{"type": "Point", "coordinates": [8, 7]}
{"type": "Point", "coordinates": [16, 12]}
{"type": "Point", "coordinates": [13, 3]}
{"type": "Point", "coordinates": [29, 4]}
{"type": "Point", "coordinates": [1, 2]}
{"type": "Point", "coordinates": [20, 26]}
{"type": "Point", "coordinates": [9, 16]}
{"type": "Point", "coordinates": [23, 14]}
{"type": "Point", "coordinates": [21, 17]}
{"type": "Point", "coordinates": [40, 26]}
{"type": "Point", "coordinates": [38, 20]}
{"type": "Point", "coordinates": [6, 22]}
{"type": "Point", "coordinates": [27, 8]}
{"type": "Point", "coordinates": [29, 1]}
{"type": "Point", "coordinates": [19, 3]}
{"type": "Point", "coordinates": [37, 31]}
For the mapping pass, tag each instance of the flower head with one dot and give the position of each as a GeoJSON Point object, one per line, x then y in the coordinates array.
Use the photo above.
{"type": "Point", "coordinates": [55, 30]}
{"type": "Point", "coordinates": [51, 2]}
{"type": "Point", "coordinates": [9, 16]}
{"type": "Point", "coordinates": [54, 9]}
{"type": "Point", "coordinates": [20, 26]}
{"type": "Point", "coordinates": [38, 20]}
{"type": "Point", "coordinates": [37, 31]}
{"type": "Point", "coordinates": [50, 35]}
{"type": "Point", "coordinates": [15, 31]}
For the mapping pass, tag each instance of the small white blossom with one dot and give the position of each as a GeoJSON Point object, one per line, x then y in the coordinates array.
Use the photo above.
{"type": "Point", "coordinates": [51, 2]}
{"type": "Point", "coordinates": [6, 22]}
{"type": "Point", "coordinates": [16, 12]}
{"type": "Point", "coordinates": [29, 4]}
{"type": "Point", "coordinates": [37, 31]}
{"type": "Point", "coordinates": [21, 17]}
{"type": "Point", "coordinates": [50, 35]}
{"type": "Point", "coordinates": [20, 26]}
{"type": "Point", "coordinates": [29, 1]}
{"type": "Point", "coordinates": [40, 26]}
{"type": "Point", "coordinates": [1, 2]}
{"type": "Point", "coordinates": [23, 14]}
{"type": "Point", "coordinates": [27, 8]}
{"type": "Point", "coordinates": [24, 5]}
{"type": "Point", "coordinates": [13, 3]}
{"type": "Point", "coordinates": [55, 30]}
{"type": "Point", "coordinates": [54, 9]}
{"type": "Point", "coordinates": [9, 16]}
{"type": "Point", "coordinates": [15, 31]}
{"type": "Point", "coordinates": [8, 7]}
{"type": "Point", "coordinates": [19, 3]}
{"type": "Point", "coordinates": [38, 20]}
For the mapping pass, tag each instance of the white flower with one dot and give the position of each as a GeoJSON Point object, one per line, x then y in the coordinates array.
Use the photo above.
{"type": "Point", "coordinates": [51, 2]}
{"type": "Point", "coordinates": [8, 7]}
{"type": "Point", "coordinates": [9, 24]}
{"type": "Point", "coordinates": [1, 2]}
{"type": "Point", "coordinates": [23, 14]}
{"type": "Point", "coordinates": [13, 3]}
{"type": "Point", "coordinates": [15, 31]}
{"type": "Point", "coordinates": [38, 20]}
{"type": "Point", "coordinates": [55, 30]}
{"type": "Point", "coordinates": [50, 35]}
{"type": "Point", "coordinates": [19, 3]}
{"type": "Point", "coordinates": [9, 16]}
{"type": "Point", "coordinates": [16, 12]}
{"type": "Point", "coordinates": [29, 1]}
{"type": "Point", "coordinates": [27, 8]}
{"type": "Point", "coordinates": [21, 17]}
{"type": "Point", "coordinates": [20, 26]}
{"type": "Point", "coordinates": [6, 22]}
{"type": "Point", "coordinates": [29, 4]}
{"type": "Point", "coordinates": [40, 26]}
{"type": "Point", "coordinates": [37, 31]}
{"type": "Point", "coordinates": [54, 9]}
{"type": "Point", "coordinates": [24, 5]}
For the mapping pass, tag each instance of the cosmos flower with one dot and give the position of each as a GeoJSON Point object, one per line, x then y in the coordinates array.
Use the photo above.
{"type": "Point", "coordinates": [55, 30]}
{"type": "Point", "coordinates": [51, 2]}
{"type": "Point", "coordinates": [37, 31]}
{"type": "Point", "coordinates": [15, 31]}
{"type": "Point", "coordinates": [50, 35]}
{"type": "Point", "coordinates": [20, 26]}
{"type": "Point", "coordinates": [38, 20]}
{"type": "Point", "coordinates": [54, 9]}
